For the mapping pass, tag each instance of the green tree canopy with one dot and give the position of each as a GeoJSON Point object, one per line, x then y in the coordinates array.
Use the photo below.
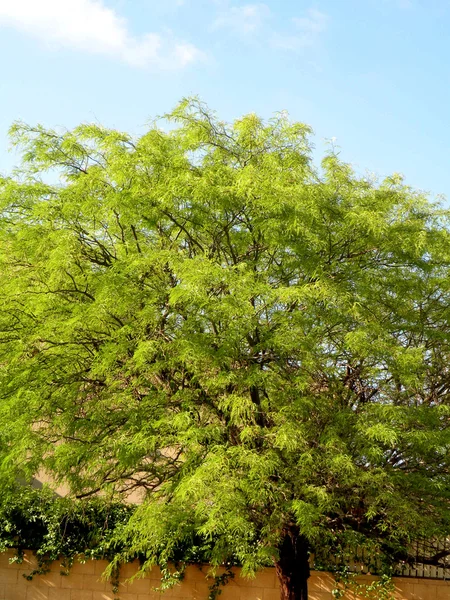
{"type": "Point", "coordinates": [260, 346]}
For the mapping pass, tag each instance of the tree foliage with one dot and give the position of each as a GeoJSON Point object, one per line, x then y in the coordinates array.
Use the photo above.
{"type": "Point", "coordinates": [256, 344]}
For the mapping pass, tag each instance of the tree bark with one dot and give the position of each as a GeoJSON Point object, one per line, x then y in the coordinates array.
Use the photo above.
{"type": "Point", "coordinates": [292, 566]}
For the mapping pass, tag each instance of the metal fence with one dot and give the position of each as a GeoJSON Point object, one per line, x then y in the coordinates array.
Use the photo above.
{"type": "Point", "coordinates": [439, 549]}
{"type": "Point", "coordinates": [428, 560]}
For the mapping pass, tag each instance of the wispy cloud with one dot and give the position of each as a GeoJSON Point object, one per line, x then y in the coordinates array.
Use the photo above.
{"type": "Point", "coordinates": [404, 4]}
{"type": "Point", "coordinates": [395, 4]}
{"type": "Point", "coordinates": [306, 31]}
{"type": "Point", "coordinates": [242, 20]}
{"type": "Point", "coordinates": [256, 21]}
{"type": "Point", "coordinates": [92, 27]}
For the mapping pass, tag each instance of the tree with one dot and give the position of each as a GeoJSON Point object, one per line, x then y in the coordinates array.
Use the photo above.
{"type": "Point", "coordinates": [261, 347]}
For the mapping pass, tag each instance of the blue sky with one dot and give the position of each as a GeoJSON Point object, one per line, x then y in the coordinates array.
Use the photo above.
{"type": "Point", "coordinates": [374, 74]}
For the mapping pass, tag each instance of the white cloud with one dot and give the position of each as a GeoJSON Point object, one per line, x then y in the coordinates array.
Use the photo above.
{"type": "Point", "coordinates": [243, 20]}
{"type": "Point", "coordinates": [307, 31]}
{"type": "Point", "coordinates": [90, 26]}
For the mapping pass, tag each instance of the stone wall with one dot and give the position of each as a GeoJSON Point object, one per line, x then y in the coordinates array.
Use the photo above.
{"type": "Point", "coordinates": [85, 583]}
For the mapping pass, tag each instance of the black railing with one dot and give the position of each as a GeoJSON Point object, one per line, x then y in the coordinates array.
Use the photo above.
{"type": "Point", "coordinates": [426, 560]}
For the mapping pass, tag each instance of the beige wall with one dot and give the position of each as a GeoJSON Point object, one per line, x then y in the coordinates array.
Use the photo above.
{"type": "Point", "coordinates": [85, 583]}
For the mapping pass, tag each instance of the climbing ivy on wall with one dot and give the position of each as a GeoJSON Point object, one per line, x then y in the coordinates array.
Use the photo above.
{"type": "Point", "coordinates": [63, 529]}
{"type": "Point", "coordinates": [55, 527]}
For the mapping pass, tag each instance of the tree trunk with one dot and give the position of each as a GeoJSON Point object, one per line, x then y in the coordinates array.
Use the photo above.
{"type": "Point", "coordinates": [292, 566]}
